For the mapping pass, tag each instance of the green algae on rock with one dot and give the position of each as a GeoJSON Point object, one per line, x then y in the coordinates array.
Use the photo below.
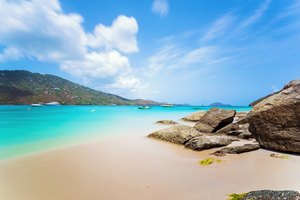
{"type": "Point", "coordinates": [237, 196]}
{"type": "Point", "coordinates": [209, 161]}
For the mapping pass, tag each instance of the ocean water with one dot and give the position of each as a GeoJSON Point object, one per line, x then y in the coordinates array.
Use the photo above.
{"type": "Point", "coordinates": [25, 129]}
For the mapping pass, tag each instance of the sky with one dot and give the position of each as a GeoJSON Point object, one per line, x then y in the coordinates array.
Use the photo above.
{"type": "Point", "coordinates": [194, 52]}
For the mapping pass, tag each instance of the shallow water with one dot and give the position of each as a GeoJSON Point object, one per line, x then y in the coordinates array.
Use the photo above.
{"type": "Point", "coordinates": [25, 129]}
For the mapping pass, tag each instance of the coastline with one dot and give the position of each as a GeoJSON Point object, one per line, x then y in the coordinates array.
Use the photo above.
{"type": "Point", "coordinates": [129, 165]}
{"type": "Point", "coordinates": [136, 167]}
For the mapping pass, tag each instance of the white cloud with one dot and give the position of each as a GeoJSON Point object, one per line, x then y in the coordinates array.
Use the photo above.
{"type": "Point", "coordinates": [10, 53]}
{"type": "Point", "coordinates": [126, 82]}
{"type": "Point", "coordinates": [160, 7]}
{"type": "Point", "coordinates": [256, 16]}
{"type": "Point", "coordinates": [205, 54]}
{"type": "Point", "coordinates": [121, 35]}
{"type": "Point", "coordinates": [98, 65]}
{"type": "Point", "coordinates": [164, 58]}
{"type": "Point", "coordinates": [41, 30]}
{"type": "Point", "coordinates": [172, 57]}
{"type": "Point", "coordinates": [219, 27]}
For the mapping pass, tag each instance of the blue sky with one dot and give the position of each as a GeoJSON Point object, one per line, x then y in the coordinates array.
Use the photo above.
{"type": "Point", "coordinates": [194, 52]}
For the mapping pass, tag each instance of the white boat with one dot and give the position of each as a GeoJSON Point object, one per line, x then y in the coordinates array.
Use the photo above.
{"type": "Point", "coordinates": [54, 103]}
{"type": "Point", "coordinates": [36, 105]}
{"type": "Point", "coordinates": [167, 105]}
{"type": "Point", "coordinates": [144, 107]}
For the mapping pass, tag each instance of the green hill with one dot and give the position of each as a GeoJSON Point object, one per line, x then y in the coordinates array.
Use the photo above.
{"type": "Point", "coordinates": [24, 87]}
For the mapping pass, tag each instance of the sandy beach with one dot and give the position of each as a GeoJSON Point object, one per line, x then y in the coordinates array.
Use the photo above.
{"type": "Point", "coordinates": [136, 167]}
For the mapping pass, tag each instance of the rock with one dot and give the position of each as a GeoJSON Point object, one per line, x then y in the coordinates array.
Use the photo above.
{"type": "Point", "coordinates": [166, 122]}
{"type": "Point", "coordinates": [272, 195]}
{"type": "Point", "coordinates": [275, 121]}
{"type": "Point", "coordinates": [236, 149]}
{"type": "Point", "coordinates": [234, 129]}
{"type": "Point", "coordinates": [240, 117]}
{"type": "Point", "coordinates": [194, 117]}
{"type": "Point", "coordinates": [280, 156]}
{"type": "Point", "coordinates": [246, 135]}
{"type": "Point", "coordinates": [242, 120]}
{"type": "Point", "coordinates": [215, 119]}
{"type": "Point", "coordinates": [229, 128]}
{"type": "Point", "coordinates": [178, 134]}
{"type": "Point", "coordinates": [209, 141]}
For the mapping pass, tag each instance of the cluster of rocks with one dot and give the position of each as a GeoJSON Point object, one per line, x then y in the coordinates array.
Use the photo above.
{"type": "Point", "coordinates": [274, 122]}
{"type": "Point", "coordinates": [213, 128]}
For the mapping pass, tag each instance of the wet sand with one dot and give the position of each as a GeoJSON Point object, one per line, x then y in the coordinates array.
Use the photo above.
{"type": "Point", "coordinates": [133, 167]}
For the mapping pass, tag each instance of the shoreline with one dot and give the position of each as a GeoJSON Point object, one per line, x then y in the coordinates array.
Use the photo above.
{"type": "Point", "coordinates": [129, 165]}
{"type": "Point", "coordinates": [136, 167]}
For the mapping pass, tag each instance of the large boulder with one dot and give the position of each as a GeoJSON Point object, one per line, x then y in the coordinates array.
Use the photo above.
{"type": "Point", "coordinates": [215, 119]}
{"type": "Point", "coordinates": [194, 117]}
{"type": "Point", "coordinates": [209, 141]}
{"type": "Point", "coordinates": [272, 195]}
{"type": "Point", "coordinates": [275, 121]}
{"type": "Point", "coordinates": [236, 149]}
{"type": "Point", "coordinates": [178, 134]}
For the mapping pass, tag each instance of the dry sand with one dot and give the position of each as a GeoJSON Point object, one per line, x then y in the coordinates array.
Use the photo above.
{"type": "Point", "coordinates": [134, 167]}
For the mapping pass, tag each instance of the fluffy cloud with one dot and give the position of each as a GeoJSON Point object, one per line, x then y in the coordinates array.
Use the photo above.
{"type": "Point", "coordinates": [121, 35]}
{"type": "Point", "coordinates": [98, 65]}
{"type": "Point", "coordinates": [41, 30]}
{"type": "Point", "coordinates": [127, 82]}
{"type": "Point", "coordinates": [160, 7]}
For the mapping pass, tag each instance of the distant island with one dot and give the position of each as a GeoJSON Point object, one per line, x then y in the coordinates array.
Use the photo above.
{"type": "Point", "coordinates": [24, 87]}
{"type": "Point", "coordinates": [218, 104]}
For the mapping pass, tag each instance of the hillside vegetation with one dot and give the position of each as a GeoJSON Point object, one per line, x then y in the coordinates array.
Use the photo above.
{"type": "Point", "coordinates": [24, 87]}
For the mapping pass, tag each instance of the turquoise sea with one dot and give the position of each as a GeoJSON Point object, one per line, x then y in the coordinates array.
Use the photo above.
{"type": "Point", "coordinates": [25, 129]}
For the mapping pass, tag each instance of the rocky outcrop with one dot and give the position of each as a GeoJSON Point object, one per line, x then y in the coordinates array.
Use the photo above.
{"type": "Point", "coordinates": [166, 122]}
{"type": "Point", "coordinates": [230, 129]}
{"type": "Point", "coordinates": [209, 141]}
{"type": "Point", "coordinates": [240, 117]}
{"type": "Point", "coordinates": [236, 149]}
{"type": "Point", "coordinates": [246, 135]}
{"type": "Point", "coordinates": [194, 117]}
{"type": "Point", "coordinates": [215, 119]}
{"type": "Point", "coordinates": [272, 195]}
{"type": "Point", "coordinates": [178, 134]}
{"type": "Point", "coordinates": [236, 129]}
{"type": "Point", "coordinates": [275, 121]}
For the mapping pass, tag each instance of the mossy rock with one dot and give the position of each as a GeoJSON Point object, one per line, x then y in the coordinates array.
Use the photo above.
{"type": "Point", "coordinates": [281, 156]}
{"type": "Point", "coordinates": [237, 196]}
{"type": "Point", "coordinates": [209, 161]}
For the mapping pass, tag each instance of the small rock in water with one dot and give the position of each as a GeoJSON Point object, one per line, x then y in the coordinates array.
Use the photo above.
{"type": "Point", "coordinates": [281, 156]}
{"type": "Point", "coordinates": [166, 122]}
